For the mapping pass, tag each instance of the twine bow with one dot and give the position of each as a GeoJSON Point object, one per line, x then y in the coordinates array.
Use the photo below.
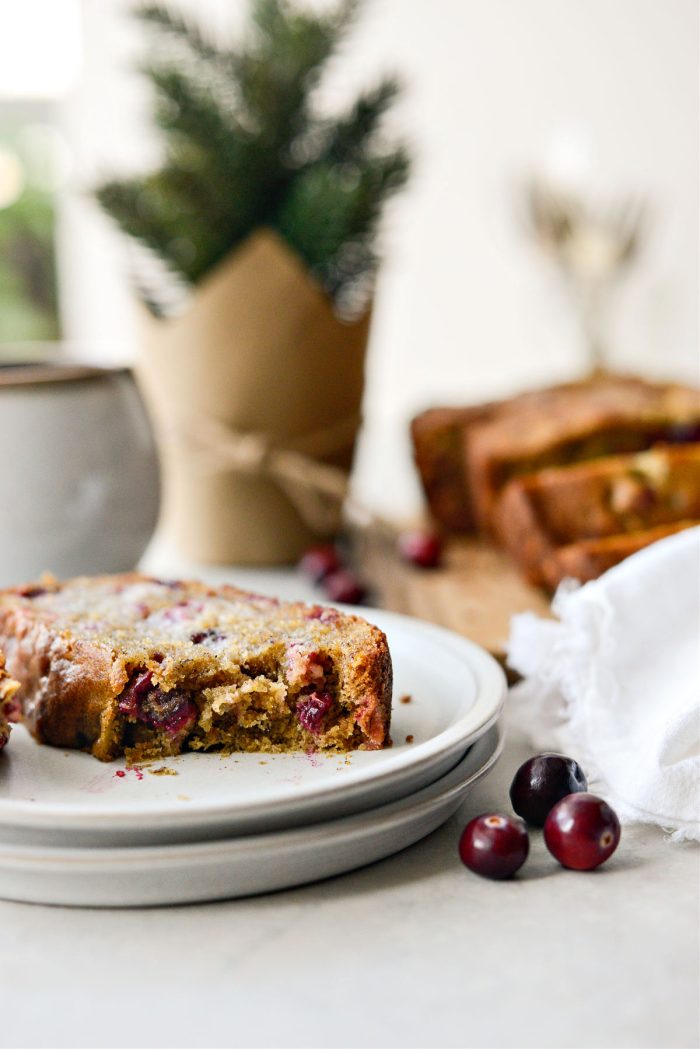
{"type": "Point", "coordinates": [317, 490]}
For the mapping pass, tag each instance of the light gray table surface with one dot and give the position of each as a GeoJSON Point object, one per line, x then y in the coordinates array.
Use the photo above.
{"type": "Point", "coordinates": [412, 951]}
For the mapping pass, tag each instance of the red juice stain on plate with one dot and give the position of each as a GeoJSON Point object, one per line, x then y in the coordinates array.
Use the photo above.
{"type": "Point", "coordinates": [121, 773]}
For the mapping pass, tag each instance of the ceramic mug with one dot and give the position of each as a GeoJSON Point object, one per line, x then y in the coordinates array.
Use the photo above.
{"type": "Point", "coordinates": [79, 487]}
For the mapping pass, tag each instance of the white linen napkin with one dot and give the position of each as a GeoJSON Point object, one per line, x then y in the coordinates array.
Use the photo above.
{"type": "Point", "coordinates": [616, 681]}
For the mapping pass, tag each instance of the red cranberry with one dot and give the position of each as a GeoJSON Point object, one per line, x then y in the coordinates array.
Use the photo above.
{"type": "Point", "coordinates": [311, 711]}
{"type": "Point", "coordinates": [170, 712]}
{"type": "Point", "coordinates": [581, 831]}
{"type": "Point", "coordinates": [494, 846]}
{"type": "Point", "coordinates": [421, 548]}
{"type": "Point", "coordinates": [32, 591]}
{"type": "Point", "coordinates": [201, 637]}
{"type": "Point", "coordinates": [136, 689]}
{"type": "Point", "coordinates": [543, 781]}
{"type": "Point", "coordinates": [344, 586]}
{"type": "Point", "coordinates": [319, 561]}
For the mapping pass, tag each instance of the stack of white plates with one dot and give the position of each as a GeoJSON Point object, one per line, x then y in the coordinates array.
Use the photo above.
{"type": "Point", "coordinates": [205, 827]}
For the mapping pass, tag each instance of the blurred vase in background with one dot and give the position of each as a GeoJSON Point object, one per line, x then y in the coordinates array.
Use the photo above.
{"type": "Point", "coordinates": [80, 478]}
{"type": "Point", "coordinates": [253, 253]}
{"type": "Point", "coordinates": [258, 362]}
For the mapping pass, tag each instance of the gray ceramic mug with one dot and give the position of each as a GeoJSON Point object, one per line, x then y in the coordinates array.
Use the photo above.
{"type": "Point", "coordinates": [79, 478]}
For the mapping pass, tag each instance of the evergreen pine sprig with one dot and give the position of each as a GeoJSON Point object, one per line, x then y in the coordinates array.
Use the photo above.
{"type": "Point", "coordinates": [244, 148]}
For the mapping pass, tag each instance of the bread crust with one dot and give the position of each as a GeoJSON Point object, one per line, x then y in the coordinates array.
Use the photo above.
{"type": "Point", "coordinates": [71, 682]}
{"type": "Point", "coordinates": [589, 558]}
{"type": "Point", "coordinates": [438, 437]}
{"type": "Point", "coordinates": [614, 496]}
{"type": "Point", "coordinates": [606, 415]}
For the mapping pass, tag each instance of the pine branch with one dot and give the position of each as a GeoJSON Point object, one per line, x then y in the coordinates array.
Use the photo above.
{"type": "Point", "coordinates": [349, 136]}
{"type": "Point", "coordinates": [243, 148]}
{"type": "Point", "coordinates": [327, 211]}
{"type": "Point", "coordinates": [173, 24]}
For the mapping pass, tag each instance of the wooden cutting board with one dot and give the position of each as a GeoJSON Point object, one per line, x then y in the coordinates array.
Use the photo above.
{"type": "Point", "coordinates": [475, 592]}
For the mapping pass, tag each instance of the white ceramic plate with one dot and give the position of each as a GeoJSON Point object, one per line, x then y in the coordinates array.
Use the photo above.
{"type": "Point", "coordinates": [50, 796]}
{"type": "Point", "coordinates": [246, 866]}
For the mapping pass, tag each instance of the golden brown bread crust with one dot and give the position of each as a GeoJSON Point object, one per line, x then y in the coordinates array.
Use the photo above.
{"type": "Point", "coordinates": [438, 451]}
{"type": "Point", "coordinates": [465, 455]}
{"type": "Point", "coordinates": [589, 558]}
{"type": "Point", "coordinates": [605, 415]}
{"type": "Point", "coordinates": [75, 657]}
{"type": "Point", "coordinates": [617, 495]}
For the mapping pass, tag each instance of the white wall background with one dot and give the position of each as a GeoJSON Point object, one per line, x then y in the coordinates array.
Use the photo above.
{"type": "Point", "coordinates": [465, 306]}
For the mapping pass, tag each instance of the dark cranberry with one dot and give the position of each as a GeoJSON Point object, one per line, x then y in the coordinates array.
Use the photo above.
{"type": "Point", "coordinates": [169, 712]}
{"type": "Point", "coordinates": [344, 586]}
{"type": "Point", "coordinates": [494, 846]}
{"type": "Point", "coordinates": [319, 561]}
{"type": "Point", "coordinates": [32, 591]}
{"type": "Point", "coordinates": [202, 636]}
{"type": "Point", "coordinates": [421, 548]}
{"type": "Point", "coordinates": [682, 432]}
{"type": "Point", "coordinates": [311, 711]}
{"type": "Point", "coordinates": [541, 782]}
{"type": "Point", "coordinates": [581, 831]}
{"type": "Point", "coordinates": [137, 688]}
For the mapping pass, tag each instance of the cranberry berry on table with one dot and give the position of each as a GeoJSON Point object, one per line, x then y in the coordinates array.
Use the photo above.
{"type": "Point", "coordinates": [421, 548]}
{"type": "Point", "coordinates": [344, 586]}
{"type": "Point", "coordinates": [494, 846]}
{"type": "Point", "coordinates": [541, 782]}
{"type": "Point", "coordinates": [581, 831]}
{"type": "Point", "coordinates": [319, 561]}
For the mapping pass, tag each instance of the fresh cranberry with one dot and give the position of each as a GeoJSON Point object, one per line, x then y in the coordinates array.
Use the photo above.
{"type": "Point", "coordinates": [344, 586]}
{"type": "Point", "coordinates": [311, 711]}
{"type": "Point", "coordinates": [581, 831]}
{"type": "Point", "coordinates": [494, 846]}
{"type": "Point", "coordinates": [543, 781]}
{"type": "Point", "coordinates": [319, 561]}
{"type": "Point", "coordinates": [421, 548]}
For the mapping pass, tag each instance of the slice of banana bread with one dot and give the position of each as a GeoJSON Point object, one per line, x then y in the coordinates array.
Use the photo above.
{"type": "Point", "coordinates": [9, 707]}
{"type": "Point", "coordinates": [614, 496]}
{"type": "Point", "coordinates": [589, 558]}
{"type": "Point", "coordinates": [438, 437]}
{"type": "Point", "coordinates": [607, 415]}
{"type": "Point", "coordinates": [133, 665]}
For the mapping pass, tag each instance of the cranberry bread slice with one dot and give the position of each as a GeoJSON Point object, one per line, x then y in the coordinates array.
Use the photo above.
{"type": "Point", "coordinates": [605, 415]}
{"type": "Point", "coordinates": [617, 495]}
{"type": "Point", "coordinates": [132, 665]}
{"type": "Point", "coordinates": [9, 707]}
{"type": "Point", "coordinates": [438, 436]}
{"type": "Point", "coordinates": [589, 558]}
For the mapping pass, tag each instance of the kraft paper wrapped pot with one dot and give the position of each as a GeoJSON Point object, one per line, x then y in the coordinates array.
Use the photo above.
{"type": "Point", "coordinates": [257, 362]}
